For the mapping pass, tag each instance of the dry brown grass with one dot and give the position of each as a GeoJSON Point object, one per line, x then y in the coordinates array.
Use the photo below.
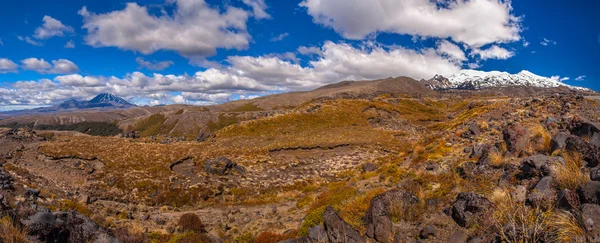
{"type": "Point", "coordinates": [496, 159]}
{"type": "Point", "coordinates": [516, 222]}
{"type": "Point", "coordinates": [9, 233]}
{"type": "Point", "coordinates": [569, 176]}
{"type": "Point", "coordinates": [539, 138]}
{"type": "Point", "coordinates": [567, 227]}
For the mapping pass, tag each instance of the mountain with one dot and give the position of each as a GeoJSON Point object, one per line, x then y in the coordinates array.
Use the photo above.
{"type": "Point", "coordinates": [104, 101]}
{"type": "Point", "coordinates": [476, 80]}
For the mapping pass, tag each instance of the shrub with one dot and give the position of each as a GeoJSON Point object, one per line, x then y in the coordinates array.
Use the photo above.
{"type": "Point", "coordinates": [10, 232]}
{"type": "Point", "coordinates": [190, 222]}
{"type": "Point", "coordinates": [569, 176]}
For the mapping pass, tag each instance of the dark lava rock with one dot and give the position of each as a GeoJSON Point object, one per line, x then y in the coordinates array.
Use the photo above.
{"type": "Point", "coordinates": [589, 192]}
{"type": "Point", "coordinates": [428, 232]}
{"type": "Point", "coordinates": [65, 227]}
{"type": "Point", "coordinates": [558, 141]}
{"type": "Point", "coordinates": [589, 152]}
{"type": "Point", "coordinates": [205, 136]}
{"type": "Point", "coordinates": [583, 128]}
{"type": "Point", "coordinates": [485, 158]}
{"type": "Point", "coordinates": [378, 218]}
{"type": "Point", "coordinates": [369, 167]}
{"type": "Point", "coordinates": [5, 180]}
{"type": "Point", "coordinates": [223, 166]}
{"type": "Point", "coordinates": [473, 131]}
{"type": "Point", "coordinates": [544, 193]}
{"type": "Point", "coordinates": [595, 139]}
{"type": "Point", "coordinates": [467, 206]}
{"type": "Point", "coordinates": [478, 150]}
{"type": "Point", "coordinates": [567, 200]}
{"type": "Point", "coordinates": [515, 138]}
{"type": "Point", "coordinates": [537, 166]}
{"type": "Point", "coordinates": [338, 230]}
{"type": "Point", "coordinates": [595, 173]}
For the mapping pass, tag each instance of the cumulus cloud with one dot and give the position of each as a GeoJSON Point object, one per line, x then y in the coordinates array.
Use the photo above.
{"type": "Point", "coordinates": [474, 22]}
{"type": "Point", "coordinates": [7, 66]}
{"type": "Point", "coordinates": [248, 76]}
{"type": "Point", "coordinates": [60, 66]}
{"type": "Point", "coordinates": [559, 78]}
{"type": "Point", "coordinates": [310, 51]}
{"type": "Point", "coordinates": [194, 30]}
{"type": "Point", "coordinates": [280, 37]}
{"type": "Point", "coordinates": [450, 49]}
{"type": "Point", "coordinates": [547, 42]}
{"type": "Point", "coordinates": [51, 27]}
{"type": "Point", "coordinates": [494, 52]}
{"type": "Point", "coordinates": [580, 78]}
{"type": "Point", "coordinates": [259, 8]}
{"type": "Point", "coordinates": [70, 44]}
{"type": "Point", "coordinates": [153, 65]}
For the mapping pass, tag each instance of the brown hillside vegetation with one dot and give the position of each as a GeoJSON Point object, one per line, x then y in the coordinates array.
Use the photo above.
{"type": "Point", "coordinates": [381, 161]}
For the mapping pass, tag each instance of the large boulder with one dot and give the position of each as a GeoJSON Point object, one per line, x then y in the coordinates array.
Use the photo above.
{"type": "Point", "coordinates": [468, 206]}
{"type": "Point", "coordinates": [589, 192]}
{"type": "Point", "coordinates": [223, 166]}
{"type": "Point", "coordinates": [515, 139]}
{"type": "Point", "coordinates": [65, 227]}
{"type": "Point", "coordinates": [595, 173]}
{"type": "Point", "coordinates": [559, 141]}
{"type": "Point", "coordinates": [473, 131]}
{"type": "Point", "coordinates": [544, 193]}
{"type": "Point", "coordinates": [537, 166]}
{"type": "Point", "coordinates": [338, 230]}
{"type": "Point", "coordinates": [567, 200]}
{"type": "Point", "coordinates": [584, 128]}
{"type": "Point", "coordinates": [589, 152]}
{"type": "Point", "coordinates": [379, 215]}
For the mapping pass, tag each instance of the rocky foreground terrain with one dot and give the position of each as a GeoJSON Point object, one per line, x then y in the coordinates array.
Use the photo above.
{"type": "Point", "coordinates": [352, 162]}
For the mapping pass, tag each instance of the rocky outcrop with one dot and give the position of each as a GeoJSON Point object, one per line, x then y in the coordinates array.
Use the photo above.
{"type": "Point", "coordinates": [558, 141]}
{"type": "Point", "coordinates": [515, 138]}
{"type": "Point", "coordinates": [338, 230]}
{"type": "Point", "coordinates": [537, 166]}
{"type": "Point", "coordinates": [468, 206]}
{"type": "Point", "coordinates": [544, 193]}
{"type": "Point", "coordinates": [590, 192]}
{"type": "Point", "coordinates": [589, 152]}
{"type": "Point", "coordinates": [223, 166]}
{"type": "Point", "coordinates": [379, 215]}
{"type": "Point", "coordinates": [65, 227]}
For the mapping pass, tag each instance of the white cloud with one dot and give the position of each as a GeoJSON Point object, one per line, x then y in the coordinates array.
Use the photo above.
{"type": "Point", "coordinates": [60, 66]}
{"type": "Point", "coordinates": [259, 8]}
{"type": "Point", "coordinates": [580, 78]}
{"type": "Point", "coordinates": [450, 49]}
{"type": "Point", "coordinates": [309, 51]}
{"type": "Point", "coordinates": [494, 52]}
{"type": "Point", "coordinates": [153, 65]}
{"type": "Point", "coordinates": [7, 66]}
{"type": "Point", "coordinates": [244, 76]}
{"type": "Point", "coordinates": [51, 27]}
{"type": "Point", "coordinates": [474, 22]}
{"type": "Point", "coordinates": [30, 41]}
{"type": "Point", "coordinates": [280, 37]}
{"type": "Point", "coordinates": [70, 44]}
{"type": "Point", "coordinates": [547, 42]}
{"type": "Point", "coordinates": [559, 78]}
{"type": "Point", "coordinates": [526, 43]}
{"type": "Point", "coordinates": [195, 29]}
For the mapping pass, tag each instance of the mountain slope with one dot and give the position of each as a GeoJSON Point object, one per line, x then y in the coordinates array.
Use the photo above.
{"type": "Point", "coordinates": [475, 80]}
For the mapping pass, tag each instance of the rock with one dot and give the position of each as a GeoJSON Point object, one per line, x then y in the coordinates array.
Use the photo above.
{"type": "Point", "coordinates": [551, 120]}
{"type": "Point", "coordinates": [432, 167]}
{"type": "Point", "coordinates": [558, 141]}
{"type": "Point", "coordinates": [478, 150]}
{"type": "Point", "coordinates": [338, 230]}
{"type": "Point", "coordinates": [468, 150]}
{"type": "Point", "coordinates": [584, 128]}
{"type": "Point", "coordinates": [32, 194]}
{"type": "Point", "coordinates": [595, 174]}
{"type": "Point", "coordinates": [519, 195]}
{"type": "Point", "coordinates": [468, 205]}
{"type": "Point", "coordinates": [472, 131]}
{"type": "Point", "coordinates": [205, 136]}
{"type": "Point", "coordinates": [589, 152]}
{"type": "Point", "coordinates": [543, 194]}
{"type": "Point", "coordinates": [595, 139]}
{"type": "Point", "coordinates": [515, 139]}
{"type": "Point", "coordinates": [476, 240]}
{"type": "Point", "coordinates": [65, 227]}
{"type": "Point", "coordinates": [85, 199]}
{"type": "Point", "coordinates": [427, 232]}
{"type": "Point", "coordinates": [537, 166]}
{"type": "Point", "coordinates": [460, 236]}
{"type": "Point", "coordinates": [486, 156]}
{"type": "Point", "coordinates": [589, 192]}
{"type": "Point", "coordinates": [591, 217]}
{"type": "Point", "coordinates": [317, 234]}
{"type": "Point", "coordinates": [567, 200]}
{"type": "Point", "coordinates": [369, 167]}
{"type": "Point", "coordinates": [6, 180]}
{"type": "Point", "coordinates": [223, 166]}
{"type": "Point", "coordinates": [378, 218]}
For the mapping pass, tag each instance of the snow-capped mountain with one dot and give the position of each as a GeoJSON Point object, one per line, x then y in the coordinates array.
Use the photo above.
{"type": "Point", "coordinates": [103, 101]}
{"type": "Point", "coordinates": [106, 98]}
{"type": "Point", "coordinates": [473, 79]}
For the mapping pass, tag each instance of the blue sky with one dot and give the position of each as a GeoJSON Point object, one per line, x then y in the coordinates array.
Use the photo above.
{"type": "Point", "coordinates": [197, 52]}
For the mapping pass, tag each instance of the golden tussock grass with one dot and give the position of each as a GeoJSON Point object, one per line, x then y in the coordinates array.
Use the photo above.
{"type": "Point", "coordinates": [516, 222]}
{"type": "Point", "coordinates": [496, 159]}
{"type": "Point", "coordinates": [567, 227]}
{"type": "Point", "coordinates": [539, 138]}
{"type": "Point", "coordinates": [10, 233]}
{"type": "Point", "coordinates": [569, 175]}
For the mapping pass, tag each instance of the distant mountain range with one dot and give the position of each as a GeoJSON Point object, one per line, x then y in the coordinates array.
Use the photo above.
{"type": "Point", "coordinates": [104, 101]}
{"type": "Point", "coordinates": [475, 80]}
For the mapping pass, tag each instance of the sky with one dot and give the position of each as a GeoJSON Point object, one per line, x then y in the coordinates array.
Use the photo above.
{"type": "Point", "coordinates": [202, 52]}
